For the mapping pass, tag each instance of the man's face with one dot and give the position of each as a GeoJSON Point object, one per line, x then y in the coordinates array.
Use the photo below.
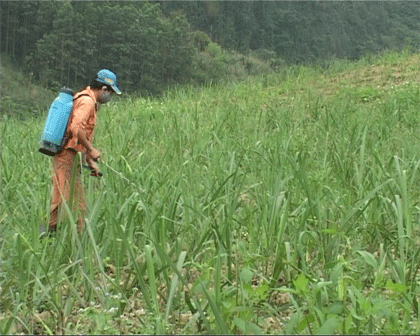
{"type": "Point", "coordinates": [105, 95]}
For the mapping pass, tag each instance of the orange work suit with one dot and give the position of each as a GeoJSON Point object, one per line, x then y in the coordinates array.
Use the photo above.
{"type": "Point", "coordinates": [83, 117]}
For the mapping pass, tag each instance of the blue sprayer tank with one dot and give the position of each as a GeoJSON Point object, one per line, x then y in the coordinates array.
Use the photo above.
{"type": "Point", "coordinates": [52, 137]}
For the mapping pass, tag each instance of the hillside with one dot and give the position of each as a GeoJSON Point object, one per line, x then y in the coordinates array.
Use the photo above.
{"type": "Point", "coordinates": [21, 96]}
{"type": "Point", "coordinates": [284, 204]}
{"type": "Point", "coordinates": [155, 44]}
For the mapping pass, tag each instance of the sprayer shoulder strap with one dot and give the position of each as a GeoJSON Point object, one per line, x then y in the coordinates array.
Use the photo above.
{"type": "Point", "coordinates": [66, 137]}
{"type": "Point", "coordinates": [81, 95]}
{"type": "Point", "coordinates": [75, 98]}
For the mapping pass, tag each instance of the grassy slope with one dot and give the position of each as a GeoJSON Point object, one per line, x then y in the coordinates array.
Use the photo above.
{"type": "Point", "coordinates": [290, 201]}
{"type": "Point", "coordinates": [20, 97]}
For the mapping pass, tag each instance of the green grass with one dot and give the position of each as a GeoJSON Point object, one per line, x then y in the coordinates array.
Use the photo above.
{"type": "Point", "coordinates": [21, 97]}
{"type": "Point", "coordinates": [286, 203]}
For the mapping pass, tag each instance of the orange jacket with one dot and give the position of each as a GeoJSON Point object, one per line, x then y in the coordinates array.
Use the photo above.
{"type": "Point", "coordinates": [83, 117]}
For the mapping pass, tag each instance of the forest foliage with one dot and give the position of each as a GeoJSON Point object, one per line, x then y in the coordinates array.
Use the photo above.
{"type": "Point", "coordinates": [154, 44]}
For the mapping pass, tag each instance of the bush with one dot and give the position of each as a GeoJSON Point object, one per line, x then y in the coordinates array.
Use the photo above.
{"type": "Point", "coordinates": [214, 50]}
{"type": "Point", "coordinates": [215, 64]}
{"type": "Point", "coordinates": [201, 40]}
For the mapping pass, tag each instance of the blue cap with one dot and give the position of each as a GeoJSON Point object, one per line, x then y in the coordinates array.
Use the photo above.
{"type": "Point", "coordinates": [107, 77]}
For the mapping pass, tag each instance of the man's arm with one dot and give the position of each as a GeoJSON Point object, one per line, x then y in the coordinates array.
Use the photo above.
{"type": "Point", "coordinates": [92, 154]}
{"type": "Point", "coordinates": [91, 151]}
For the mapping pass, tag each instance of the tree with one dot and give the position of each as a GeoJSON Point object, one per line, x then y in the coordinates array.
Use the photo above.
{"type": "Point", "coordinates": [152, 44]}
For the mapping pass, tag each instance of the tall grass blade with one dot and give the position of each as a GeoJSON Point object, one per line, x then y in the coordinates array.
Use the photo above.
{"type": "Point", "coordinates": [174, 283]}
{"type": "Point", "coordinates": [217, 314]}
{"type": "Point", "coordinates": [152, 279]}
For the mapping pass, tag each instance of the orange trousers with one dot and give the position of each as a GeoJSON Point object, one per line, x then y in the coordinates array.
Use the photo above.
{"type": "Point", "coordinates": [62, 189]}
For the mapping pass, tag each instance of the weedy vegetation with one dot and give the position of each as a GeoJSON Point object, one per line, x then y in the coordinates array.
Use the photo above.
{"type": "Point", "coordinates": [285, 204]}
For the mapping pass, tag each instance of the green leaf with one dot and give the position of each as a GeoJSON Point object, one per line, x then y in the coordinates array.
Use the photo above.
{"type": "Point", "coordinates": [247, 327]}
{"type": "Point", "coordinates": [301, 283]}
{"type": "Point", "coordinates": [152, 279]}
{"type": "Point", "coordinates": [329, 327]}
{"type": "Point", "coordinates": [305, 322]}
{"type": "Point", "coordinates": [262, 291]}
{"type": "Point", "coordinates": [174, 283]}
{"type": "Point", "coordinates": [336, 308]}
{"type": "Point", "coordinates": [396, 287]}
{"type": "Point", "coordinates": [369, 259]}
{"type": "Point", "coordinates": [218, 316]}
{"type": "Point", "coordinates": [246, 275]}
{"type": "Point", "coordinates": [336, 273]}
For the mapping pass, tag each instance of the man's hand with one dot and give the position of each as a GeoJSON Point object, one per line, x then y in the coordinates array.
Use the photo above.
{"type": "Point", "coordinates": [94, 154]}
{"type": "Point", "coordinates": [94, 169]}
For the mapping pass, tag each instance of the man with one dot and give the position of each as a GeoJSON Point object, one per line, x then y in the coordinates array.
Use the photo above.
{"type": "Point", "coordinates": [79, 136]}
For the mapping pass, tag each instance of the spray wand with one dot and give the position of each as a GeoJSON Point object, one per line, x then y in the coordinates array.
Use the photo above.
{"type": "Point", "coordinates": [121, 175]}
{"type": "Point", "coordinates": [97, 173]}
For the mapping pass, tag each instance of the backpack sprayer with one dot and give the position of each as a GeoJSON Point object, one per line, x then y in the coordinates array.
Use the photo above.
{"type": "Point", "coordinates": [52, 137]}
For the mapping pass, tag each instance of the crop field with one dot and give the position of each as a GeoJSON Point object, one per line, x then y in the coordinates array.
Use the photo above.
{"type": "Point", "coordinates": [284, 204]}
